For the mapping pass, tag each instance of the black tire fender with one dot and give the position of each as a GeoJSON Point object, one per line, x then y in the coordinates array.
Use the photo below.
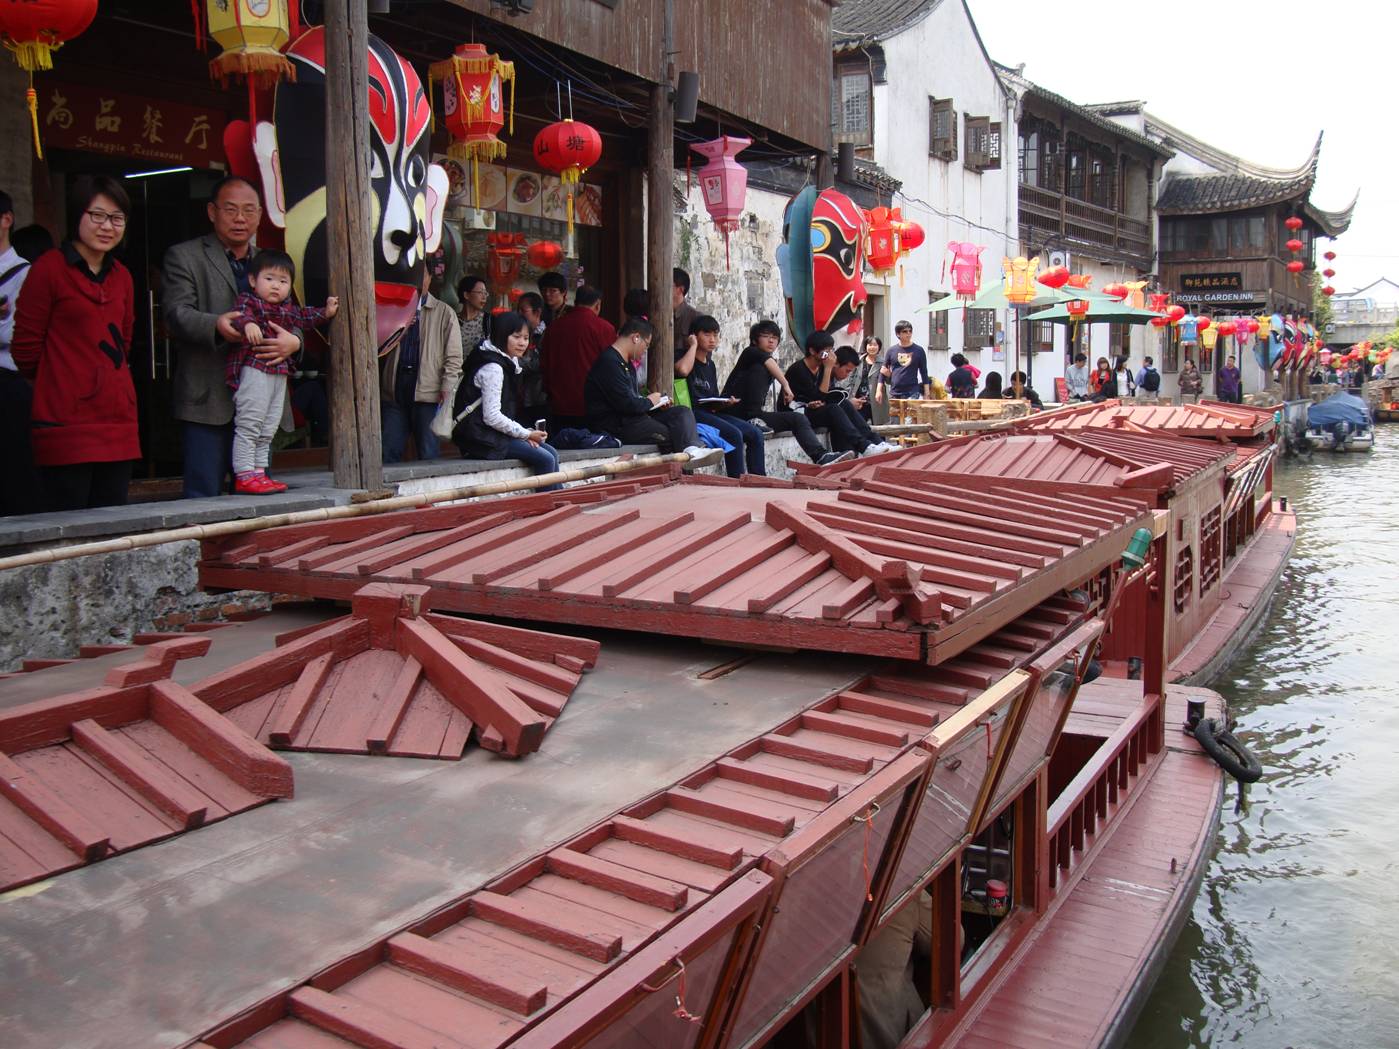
{"type": "Point", "coordinates": [1229, 754]}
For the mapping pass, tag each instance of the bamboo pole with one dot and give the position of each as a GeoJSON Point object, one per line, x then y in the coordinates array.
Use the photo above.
{"type": "Point", "coordinates": [335, 513]}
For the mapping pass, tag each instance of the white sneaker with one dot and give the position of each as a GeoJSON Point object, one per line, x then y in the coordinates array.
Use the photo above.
{"type": "Point", "coordinates": [702, 456]}
{"type": "Point", "coordinates": [870, 450]}
{"type": "Point", "coordinates": [885, 446]}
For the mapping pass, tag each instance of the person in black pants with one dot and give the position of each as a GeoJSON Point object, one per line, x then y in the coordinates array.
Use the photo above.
{"type": "Point", "coordinates": [612, 405]}
{"type": "Point", "coordinates": [752, 378]}
{"type": "Point", "coordinates": [810, 383]}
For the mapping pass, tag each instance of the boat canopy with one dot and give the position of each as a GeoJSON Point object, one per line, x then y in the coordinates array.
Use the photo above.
{"type": "Point", "coordinates": [1339, 408]}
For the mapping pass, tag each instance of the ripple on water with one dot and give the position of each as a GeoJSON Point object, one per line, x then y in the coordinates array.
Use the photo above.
{"type": "Point", "coordinates": [1284, 945]}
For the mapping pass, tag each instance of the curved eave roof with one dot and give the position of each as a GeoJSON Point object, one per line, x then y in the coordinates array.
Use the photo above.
{"type": "Point", "coordinates": [1333, 223]}
{"type": "Point", "coordinates": [1201, 194]}
{"type": "Point", "coordinates": [858, 22]}
{"type": "Point", "coordinates": [1016, 78]}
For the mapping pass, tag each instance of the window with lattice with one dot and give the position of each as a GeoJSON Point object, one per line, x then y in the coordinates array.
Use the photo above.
{"type": "Point", "coordinates": [938, 324]}
{"type": "Point", "coordinates": [942, 128]}
{"type": "Point", "coordinates": [1211, 549]}
{"type": "Point", "coordinates": [853, 104]}
{"type": "Point", "coordinates": [1185, 577]}
{"type": "Point", "coordinates": [979, 329]}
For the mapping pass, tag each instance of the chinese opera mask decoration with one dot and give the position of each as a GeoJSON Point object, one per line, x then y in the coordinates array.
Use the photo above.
{"type": "Point", "coordinates": [473, 107]}
{"type": "Point", "coordinates": [723, 183]}
{"type": "Point", "coordinates": [32, 32]}
{"type": "Point", "coordinates": [966, 268]}
{"type": "Point", "coordinates": [1020, 279]}
{"type": "Point", "coordinates": [252, 34]}
{"type": "Point", "coordinates": [409, 192]}
{"type": "Point", "coordinates": [821, 261]}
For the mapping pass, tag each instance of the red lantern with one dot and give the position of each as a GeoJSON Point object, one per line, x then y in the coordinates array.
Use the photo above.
{"type": "Point", "coordinates": [504, 255]}
{"type": "Point", "coordinates": [881, 247]}
{"type": "Point", "coordinates": [474, 107]}
{"type": "Point", "coordinates": [1330, 256]}
{"type": "Point", "coordinates": [1054, 277]}
{"type": "Point", "coordinates": [1115, 291]}
{"type": "Point", "coordinates": [1294, 223]}
{"type": "Point", "coordinates": [32, 31]}
{"type": "Point", "coordinates": [911, 237]}
{"type": "Point", "coordinates": [1076, 308]}
{"type": "Point", "coordinates": [1328, 291]}
{"type": "Point", "coordinates": [1295, 266]}
{"type": "Point", "coordinates": [1328, 273]}
{"type": "Point", "coordinates": [1159, 322]}
{"type": "Point", "coordinates": [1253, 326]}
{"type": "Point", "coordinates": [544, 254]}
{"type": "Point", "coordinates": [723, 183]}
{"type": "Point", "coordinates": [1159, 302]}
{"type": "Point", "coordinates": [1225, 327]}
{"type": "Point", "coordinates": [568, 149]}
{"type": "Point", "coordinates": [1175, 313]}
{"type": "Point", "coordinates": [1202, 323]}
{"type": "Point", "coordinates": [1294, 245]}
{"type": "Point", "coordinates": [1079, 280]}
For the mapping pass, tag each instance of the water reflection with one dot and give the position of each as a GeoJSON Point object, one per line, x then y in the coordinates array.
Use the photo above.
{"type": "Point", "coordinates": [1289, 943]}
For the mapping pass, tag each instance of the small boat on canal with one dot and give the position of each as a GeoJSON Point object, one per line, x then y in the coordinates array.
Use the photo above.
{"type": "Point", "coordinates": [1341, 423]}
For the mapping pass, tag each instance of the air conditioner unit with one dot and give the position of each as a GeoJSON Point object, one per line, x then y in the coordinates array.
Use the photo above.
{"type": "Point", "coordinates": [1059, 258]}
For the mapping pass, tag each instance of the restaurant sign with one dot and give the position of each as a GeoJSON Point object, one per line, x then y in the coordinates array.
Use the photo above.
{"type": "Point", "coordinates": [97, 120]}
{"type": "Point", "coordinates": [1212, 282]}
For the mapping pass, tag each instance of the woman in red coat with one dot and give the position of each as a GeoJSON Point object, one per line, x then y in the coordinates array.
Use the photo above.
{"type": "Point", "coordinates": [72, 336]}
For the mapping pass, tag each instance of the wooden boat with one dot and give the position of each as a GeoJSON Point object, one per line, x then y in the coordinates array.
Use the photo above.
{"type": "Point", "coordinates": [711, 846]}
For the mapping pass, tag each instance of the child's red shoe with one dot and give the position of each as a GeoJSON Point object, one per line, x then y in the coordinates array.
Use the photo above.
{"type": "Point", "coordinates": [253, 484]}
{"type": "Point", "coordinates": [274, 486]}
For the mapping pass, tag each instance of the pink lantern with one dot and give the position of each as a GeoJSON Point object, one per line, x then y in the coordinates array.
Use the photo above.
{"type": "Point", "coordinates": [724, 183]}
{"type": "Point", "coordinates": [966, 267]}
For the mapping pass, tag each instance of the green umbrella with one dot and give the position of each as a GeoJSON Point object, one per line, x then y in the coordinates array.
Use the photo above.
{"type": "Point", "coordinates": [1100, 309]}
{"type": "Point", "coordinates": [993, 297]}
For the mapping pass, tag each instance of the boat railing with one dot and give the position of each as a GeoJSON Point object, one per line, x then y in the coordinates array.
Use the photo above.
{"type": "Point", "coordinates": [1092, 798]}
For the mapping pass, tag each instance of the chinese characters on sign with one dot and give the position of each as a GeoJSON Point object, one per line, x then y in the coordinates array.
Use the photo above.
{"type": "Point", "coordinates": [104, 121]}
{"type": "Point", "coordinates": [1212, 282]}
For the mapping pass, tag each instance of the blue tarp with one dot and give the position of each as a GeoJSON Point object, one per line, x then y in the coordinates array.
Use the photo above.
{"type": "Point", "coordinates": [1338, 408]}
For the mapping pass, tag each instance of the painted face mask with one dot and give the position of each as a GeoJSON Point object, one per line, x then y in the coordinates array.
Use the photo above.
{"type": "Point", "coordinates": [837, 264]}
{"type": "Point", "coordinates": [409, 193]}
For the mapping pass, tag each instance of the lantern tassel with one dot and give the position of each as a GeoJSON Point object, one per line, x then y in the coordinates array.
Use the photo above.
{"type": "Point", "coordinates": [32, 101]}
{"type": "Point", "coordinates": [727, 264]}
{"type": "Point", "coordinates": [196, 9]}
{"type": "Point", "coordinates": [512, 97]}
{"type": "Point", "coordinates": [568, 208]}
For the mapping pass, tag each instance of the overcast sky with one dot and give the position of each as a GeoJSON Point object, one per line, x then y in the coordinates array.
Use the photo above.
{"type": "Point", "coordinates": [1257, 79]}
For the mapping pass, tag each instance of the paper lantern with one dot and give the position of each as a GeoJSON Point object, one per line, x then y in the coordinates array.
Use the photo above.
{"type": "Point", "coordinates": [1175, 313]}
{"type": "Point", "coordinates": [1253, 326]}
{"type": "Point", "coordinates": [1328, 291]}
{"type": "Point", "coordinates": [723, 183]}
{"type": "Point", "coordinates": [1076, 308]}
{"type": "Point", "coordinates": [1079, 280]}
{"type": "Point", "coordinates": [1225, 327]}
{"type": "Point", "coordinates": [1202, 324]}
{"type": "Point", "coordinates": [1159, 302]}
{"type": "Point", "coordinates": [505, 254]}
{"type": "Point", "coordinates": [1020, 279]}
{"type": "Point", "coordinates": [1208, 337]}
{"type": "Point", "coordinates": [1294, 223]}
{"type": "Point", "coordinates": [1116, 291]}
{"type": "Point", "coordinates": [1328, 273]}
{"type": "Point", "coordinates": [544, 254]}
{"type": "Point", "coordinates": [1159, 322]}
{"type": "Point", "coordinates": [252, 34]}
{"type": "Point", "coordinates": [1294, 245]}
{"type": "Point", "coordinates": [1324, 357]}
{"type": "Point", "coordinates": [881, 242]}
{"type": "Point", "coordinates": [1136, 298]}
{"type": "Point", "coordinates": [1295, 266]}
{"type": "Point", "coordinates": [911, 236]}
{"type": "Point", "coordinates": [473, 106]}
{"type": "Point", "coordinates": [1054, 277]}
{"type": "Point", "coordinates": [568, 148]}
{"type": "Point", "coordinates": [33, 31]}
{"type": "Point", "coordinates": [1330, 256]}
{"type": "Point", "coordinates": [966, 268]}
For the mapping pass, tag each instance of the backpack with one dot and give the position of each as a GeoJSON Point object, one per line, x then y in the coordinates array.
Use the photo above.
{"type": "Point", "coordinates": [1151, 381]}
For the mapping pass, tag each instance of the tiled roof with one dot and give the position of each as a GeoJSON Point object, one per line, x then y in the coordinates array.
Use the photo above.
{"type": "Point", "coordinates": [1018, 80]}
{"type": "Point", "coordinates": [1196, 194]}
{"type": "Point", "coordinates": [858, 21]}
{"type": "Point", "coordinates": [915, 573]}
{"type": "Point", "coordinates": [1216, 420]}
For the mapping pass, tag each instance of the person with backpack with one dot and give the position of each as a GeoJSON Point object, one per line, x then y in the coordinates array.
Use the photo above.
{"type": "Point", "coordinates": [1148, 380]}
{"type": "Point", "coordinates": [961, 382]}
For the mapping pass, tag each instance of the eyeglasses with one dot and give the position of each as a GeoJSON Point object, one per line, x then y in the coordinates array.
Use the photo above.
{"type": "Point", "coordinates": [247, 211]}
{"type": "Point", "coordinates": [102, 218]}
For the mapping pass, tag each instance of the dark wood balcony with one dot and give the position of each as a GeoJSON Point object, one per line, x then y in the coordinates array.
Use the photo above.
{"type": "Point", "coordinates": [1046, 215]}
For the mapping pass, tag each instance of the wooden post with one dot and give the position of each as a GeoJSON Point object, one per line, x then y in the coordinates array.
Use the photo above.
{"type": "Point", "coordinates": [356, 452]}
{"type": "Point", "coordinates": [660, 215]}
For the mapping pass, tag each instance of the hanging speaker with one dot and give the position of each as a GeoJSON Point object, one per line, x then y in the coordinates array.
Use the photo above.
{"type": "Point", "coordinates": [686, 97]}
{"type": "Point", "coordinates": [845, 161]}
{"type": "Point", "coordinates": [379, 7]}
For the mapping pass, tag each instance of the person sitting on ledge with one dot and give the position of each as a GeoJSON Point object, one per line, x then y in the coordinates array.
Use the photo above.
{"type": "Point", "coordinates": [1021, 390]}
{"type": "Point", "coordinates": [752, 378]}
{"type": "Point", "coordinates": [706, 400]}
{"type": "Point", "coordinates": [612, 405]}
{"type": "Point", "coordinates": [491, 398]}
{"type": "Point", "coordinates": [810, 382]}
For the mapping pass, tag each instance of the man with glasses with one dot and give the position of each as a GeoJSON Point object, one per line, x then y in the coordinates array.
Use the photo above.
{"type": "Point", "coordinates": [202, 278]}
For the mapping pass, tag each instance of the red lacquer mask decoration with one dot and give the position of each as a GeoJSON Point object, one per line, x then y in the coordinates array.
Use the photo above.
{"type": "Point", "coordinates": [837, 265]}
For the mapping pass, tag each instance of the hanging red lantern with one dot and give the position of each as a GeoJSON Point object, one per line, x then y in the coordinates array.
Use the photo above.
{"type": "Point", "coordinates": [1226, 327]}
{"type": "Point", "coordinates": [1328, 291]}
{"type": "Point", "coordinates": [1202, 324]}
{"type": "Point", "coordinates": [1330, 256]}
{"type": "Point", "coordinates": [1159, 322]}
{"type": "Point", "coordinates": [1175, 313]}
{"type": "Point", "coordinates": [1294, 245]}
{"type": "Point", "coordinates": [473, 106]}
{"type": "Point", "coordinates": [911, 237]}
{"type": "Point", "coordinates": [1295, 266]}
{"type": "Point", "coordinates": [32, 31]}
{"type": "Point", "coordinates": [252, 34]}
{"type": "Point", "coordinates": [1328, 273]}
{"type": "Point", "coordinates": [1159, 302]}
{"type": "Point", "coordinates": [1054, 277]}
{"type": "Point", "coordinates": [1076, 308]}
{"type": "Point", "coordinates": [568, 148]}
{"type": "Point", "coordinates": [1079, 280]}
{"type": "Point", "coordinates": [544, 254]}
{"type": "Point", "coordinates": [505, 253]}
{"type": "Point", "coordinates": [723, 183]}
{"type": "Point", "coordinates": [1116, 291]}
{"type": "Point", "coordinates": [1293, 223]}
{"type": "Point", "coordinates": [881, 247]}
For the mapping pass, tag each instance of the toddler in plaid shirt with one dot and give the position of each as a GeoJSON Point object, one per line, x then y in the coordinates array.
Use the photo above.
{"type": "Point", "coordinates": [260, 387]}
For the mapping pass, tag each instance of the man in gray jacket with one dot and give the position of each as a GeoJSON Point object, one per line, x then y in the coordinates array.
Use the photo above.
{"type": "Point", "coordinates": [201, 279]}
{"type": "Point", "coordinates": [417, 375]}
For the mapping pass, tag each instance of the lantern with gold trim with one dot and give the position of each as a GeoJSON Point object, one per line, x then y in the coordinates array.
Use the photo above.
{"type": "Point", "coordinates": [252, 34]}
{"type": "Point", "coordinates": [32, 31]}
{"type": "Point", "coordinates": [568, 148]}
{"type": "Point", "coordinates": [473, 106]}
{"type": "Point", "coordinates": [1020, 279]}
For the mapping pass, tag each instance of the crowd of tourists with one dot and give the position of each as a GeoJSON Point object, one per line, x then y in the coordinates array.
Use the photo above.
{"type": "Point", "coordinates": [1114, 379]}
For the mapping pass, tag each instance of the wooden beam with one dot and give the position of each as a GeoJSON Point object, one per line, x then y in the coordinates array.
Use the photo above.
{"type": "Point", "coordinates": [50, 812]}
{"type": "Point", "coordinates": [139, 771]}
{"type": "Point", "coordinates": [490, 978]}
{"type": "Point", "coordinates": [219, 742]}
{"type": "Point", "coordinates": [556, 926]}
{"type": "Point", "coordinates": [660, 214]}
{"type": "Point", "coordinates": [295, 705]}
{"type": "Point", "coordinates": [355, 1021]}
{"type": "Point", "coordinates": [613, 877]}
{"type": "Point", "coordinates": [356, 451]}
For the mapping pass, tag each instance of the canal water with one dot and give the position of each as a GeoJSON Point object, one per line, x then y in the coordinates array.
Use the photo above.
{"type": "Point", "coordinates": [1293, 940]}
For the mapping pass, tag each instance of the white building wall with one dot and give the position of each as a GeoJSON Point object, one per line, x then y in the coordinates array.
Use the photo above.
{"type": "Point", "coordinates": [941, 58]}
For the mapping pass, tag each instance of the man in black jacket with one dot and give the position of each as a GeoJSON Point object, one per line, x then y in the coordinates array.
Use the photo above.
{"type": "Point", "coordinates": [613, 406]}
{"type": "Point", "coordinates": [810, 382]}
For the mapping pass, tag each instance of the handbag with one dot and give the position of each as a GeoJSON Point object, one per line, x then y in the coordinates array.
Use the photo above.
{"type": "Point", "coordinates": [445, 421]}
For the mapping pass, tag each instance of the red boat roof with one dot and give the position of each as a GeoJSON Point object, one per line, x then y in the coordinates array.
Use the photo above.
{"type": "Point", "coordinates": [1108, 457]}
{"type": "Point", "coordinates": [914, 571]}
{"type": "Point", "coordinates": [1210, 419]}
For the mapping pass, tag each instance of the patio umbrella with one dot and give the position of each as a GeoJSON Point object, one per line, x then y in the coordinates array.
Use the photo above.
{"type": "Point", "coordinates": [993, 297]}
{"type": "Point", "coordinates": [1101, 310]}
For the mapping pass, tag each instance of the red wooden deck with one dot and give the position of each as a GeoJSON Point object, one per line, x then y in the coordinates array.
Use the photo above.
{"type": "Point", "coordinates": [1212, 419]}
{"type": "Point", "coordinates": [1079, 976]}
{"type": "Point", "coordinates": [1248, 586]}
